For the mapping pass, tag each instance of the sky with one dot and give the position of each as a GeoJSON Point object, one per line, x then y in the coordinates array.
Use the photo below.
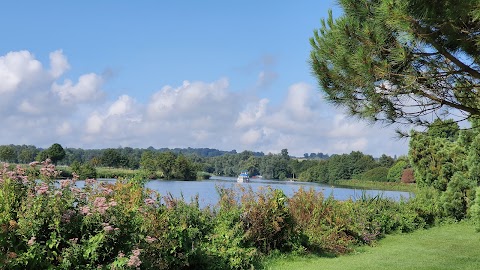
{"type": "Point", "coordinates": [216, 74]}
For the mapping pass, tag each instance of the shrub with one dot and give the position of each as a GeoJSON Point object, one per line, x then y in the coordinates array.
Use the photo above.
{"type": "Point", "coordinates": [323, 225]}
{"type": "Point", "coordinates": [396, 171]}
{"type": "Point", "coordinates": [475, 210]}
{"type": "Point", "coordinates": [408, 176]}
{"type": "Point", "coordinates": [226, 247]}
{"type": "Point", "coordinates": [378, 174]}
{"type": "Point", "coordinates": [266, 220]}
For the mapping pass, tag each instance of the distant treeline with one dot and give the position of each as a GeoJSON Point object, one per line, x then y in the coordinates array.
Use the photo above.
{"type": "Point", "coordinates": [122, 157]}
{"type": "Point", "coordinates": [158, 162]}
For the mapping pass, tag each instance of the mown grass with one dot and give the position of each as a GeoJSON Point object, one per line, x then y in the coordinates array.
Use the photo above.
{"type": "Point", "coordinates": [449, 246]}
{"type": "Point", "coordinates": [377, 185]}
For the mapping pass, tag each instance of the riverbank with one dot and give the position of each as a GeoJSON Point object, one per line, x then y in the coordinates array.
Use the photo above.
{"type": "Point", "coordinates": [360, 184]}
{"type": "Point", "coordinates": [450, 246]}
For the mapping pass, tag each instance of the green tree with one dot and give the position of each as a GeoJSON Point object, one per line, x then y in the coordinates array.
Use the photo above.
{"type": "Point", "coordinates": [7, 153]}
{"type": "Point", "coordinates": [167, 163]}
{"type": "Point", "coordinates": [27, 154]}
{"type": "Point", "coordinates": [184, 169]}
{"type": "Point", "coordinates": [386, 161]}
{"type": "Point", "coordinates": [400, 60]}
{"type": "Point", "coordinates": [148, 163]}
{"type": "Point", "coordinates": [396, 171]}
{"type": "Point", "coordinates": [55, 153]}
{"type": "Point", "coordinates": [111, 158]}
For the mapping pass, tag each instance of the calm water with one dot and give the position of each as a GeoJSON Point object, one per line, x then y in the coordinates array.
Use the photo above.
{"type": "Point", "coordinates": [207, 193]}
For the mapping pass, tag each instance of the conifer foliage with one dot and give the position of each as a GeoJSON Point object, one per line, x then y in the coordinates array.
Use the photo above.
{"type": "Point", "coordinates": [400, 60]}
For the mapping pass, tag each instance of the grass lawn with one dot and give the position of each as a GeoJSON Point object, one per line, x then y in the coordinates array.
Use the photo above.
{"type": "Point", "coordinates": [450, 246]}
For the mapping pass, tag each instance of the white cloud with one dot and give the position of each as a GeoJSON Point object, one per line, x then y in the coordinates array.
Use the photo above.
{"type": "Point", "coordinates": [251, 137]}
{"type": "Point", "coordinates": [64, 129]}
{"type": "Point", "coordinates": [94, 124]}
{"type": "Point", "coordinates": [58, 63]}
{"type": "Point", "coordinates": [17, 68]}
{"type": "Point", "coordinates": [39, 110]}
{"type": "Point", "coordinates": [252, 113]}
{"type": "Point", "coordinates": [87, 89]}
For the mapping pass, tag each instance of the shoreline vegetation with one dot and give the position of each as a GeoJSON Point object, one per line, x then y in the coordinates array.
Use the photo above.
{"type": "Point", "coordinates": [362, 184]}
{"type": "Point", "coordinates": [104, 172]}
{"type": "Point", "coordinates": [122, 225]}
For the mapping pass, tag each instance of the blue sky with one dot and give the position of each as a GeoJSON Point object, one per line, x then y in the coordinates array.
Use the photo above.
{"type": "Point", "coordinates": [219, 74]}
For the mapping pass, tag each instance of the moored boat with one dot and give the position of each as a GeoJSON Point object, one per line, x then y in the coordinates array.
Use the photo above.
{"type": "Point", "coordinates": [243, 177]}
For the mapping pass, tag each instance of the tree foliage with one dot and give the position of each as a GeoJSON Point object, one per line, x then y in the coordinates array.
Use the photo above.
{"type": "Point", "coordinates": [448, 164]}
{"type": "Point", "coordinates": [400, 60]}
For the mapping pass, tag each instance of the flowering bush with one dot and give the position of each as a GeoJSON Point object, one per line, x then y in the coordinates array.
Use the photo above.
{"type": "Point", "coordinates": [50, 223]}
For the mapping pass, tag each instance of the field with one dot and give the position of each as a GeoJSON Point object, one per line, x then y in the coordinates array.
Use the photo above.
{"type": "Point", "coordinates": [450, 246]}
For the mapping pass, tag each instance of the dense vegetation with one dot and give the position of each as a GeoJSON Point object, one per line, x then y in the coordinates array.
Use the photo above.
{"type": "Point", "coordinates": [47, 224]}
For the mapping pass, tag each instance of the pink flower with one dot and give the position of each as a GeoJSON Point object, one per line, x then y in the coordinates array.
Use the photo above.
{"type": "Point", "coordinates": [65, 183]}
{"type": "Point", "coordinates": [43, 189]}
{"type": "Point", "coordinates": [33, 164]}
{"type": "Point", "coordinates": [149, 201]}
{"type": "Point", "coordinates": [107, 191]}
{"type": "Point", "coordinates": [85, 210]}
{"type": "Point", "coordinates": [100, 204]}
{"type": "Point", "coordinates": [134, 260]}
{"type": "Point", "coordinates": [112, 203]}
{"type": "Point", "coordinates": [90, 181]}
{"type": "Point", "coordinates": [31, 241]}
{"type": "Point", "coordinates": [150, 239]}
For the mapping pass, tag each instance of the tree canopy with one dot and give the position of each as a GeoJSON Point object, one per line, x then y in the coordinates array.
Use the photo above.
{"type": "Point", "coordinates": [401, 60]}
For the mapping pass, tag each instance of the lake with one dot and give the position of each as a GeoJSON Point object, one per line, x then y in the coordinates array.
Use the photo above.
{"type": "Point", "coordinates": [206, 189]}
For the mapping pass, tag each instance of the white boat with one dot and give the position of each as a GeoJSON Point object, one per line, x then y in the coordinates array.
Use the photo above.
{"type": "Point", "coordinates": [243, 177]}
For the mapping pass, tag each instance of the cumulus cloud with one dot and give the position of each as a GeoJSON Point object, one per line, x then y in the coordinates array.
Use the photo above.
{"type": "Point", "coordinates": [17, 68]}
{"type": "Point", "coordinates": [58, 63]}
{"type": "Point", "coordinates": [40, 110]}
{"type": "Point", "coordinates": [87, 89]}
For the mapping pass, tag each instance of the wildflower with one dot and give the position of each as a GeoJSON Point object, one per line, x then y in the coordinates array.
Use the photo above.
{"type": "Point", "coordinates": [107, 191]}
{"type": "Point", "coordinates": [112, 203]}
{"type": "Point", "coordinates": [134, 260]}
{"type": "Point", "coordinates": [43, 189]}
{"type": "Point", "coordinates": [121, 255]}
{"type": "Point", "coordinates": [149, 201]}
{"type": "Point", "coordinates": [108, 228]}
{"type": "Point", "coordinates": [150, 239]}
{"type": "Point", "coordinates": [58, 193]}
{"type": "Point", "coordinates": [100, 204]}
{"type": "Point", "coordinates": [65, 183]}
{"type": "Point", "coordinates": [85, 210]}
{"type": "Point", "coordinates": [31, 241]}
{"type": "Point", "coordinates": [90, 181]}
{"type": "Point", "coordinates": [73, 240]}
{"type": "Point", "coordinates": [34, 163]}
